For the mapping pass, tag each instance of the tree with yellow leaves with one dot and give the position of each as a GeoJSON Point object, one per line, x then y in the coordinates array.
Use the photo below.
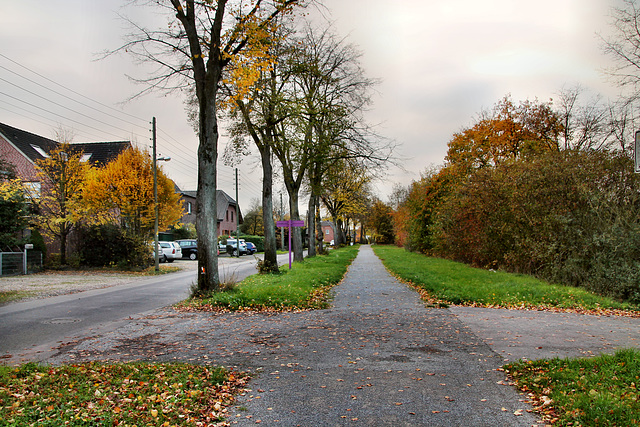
{"type": "Point", "coordinates": [122, 193]}
{"type": "Point", "coordinates": [202, 39]}
{"type": "Point", "coordinates": [60, 205]}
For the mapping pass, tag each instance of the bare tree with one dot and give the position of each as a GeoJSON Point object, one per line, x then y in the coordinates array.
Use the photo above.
{"type": "Point", "coordinates": [624, 47]}
{"type": "Point", "coordinates": [203, 38]}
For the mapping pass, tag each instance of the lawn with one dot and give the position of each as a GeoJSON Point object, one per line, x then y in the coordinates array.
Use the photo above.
{"type": "Point", "coordinates": [304, 287]}
{"type": "Point", "coordinates": [599, 391]}
{"type": "Point", "coordinates": [120, 394]}
{"type": "Point", "coordinates": [444, 282]}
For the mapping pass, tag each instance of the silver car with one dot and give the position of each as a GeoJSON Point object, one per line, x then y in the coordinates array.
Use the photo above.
{"type": "Point", "coordinates": [169, 251]}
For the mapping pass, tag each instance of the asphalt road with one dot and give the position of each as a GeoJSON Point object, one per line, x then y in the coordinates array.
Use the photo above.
{"type": "Point", "coordinates": [31, 330]}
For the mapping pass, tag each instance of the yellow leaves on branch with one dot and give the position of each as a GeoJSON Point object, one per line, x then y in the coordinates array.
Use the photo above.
{"type": "Point", "coordinates": [62, 176]}
{"type": "Point", "coordinates": [257, 57]}
{"type": "Point", "coordinates": [123, 191]}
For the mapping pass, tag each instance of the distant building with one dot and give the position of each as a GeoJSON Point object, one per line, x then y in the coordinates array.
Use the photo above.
{"type": "Point", "coordinates": [328, 231]}
{"type": "Point", "coordinates": [229, 212]}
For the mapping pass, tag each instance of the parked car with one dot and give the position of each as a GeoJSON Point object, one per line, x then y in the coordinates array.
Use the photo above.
{"type": "Point", "coordinates": [222, 247]}
{"type": "Point", "coordinates": [251, 248]}
{"type": "Point", "coordinates": [232, 247]}
{"type": "Point", "coordinates": [189, 248]}
{"type": "Point", "coordinates": [169, 251]}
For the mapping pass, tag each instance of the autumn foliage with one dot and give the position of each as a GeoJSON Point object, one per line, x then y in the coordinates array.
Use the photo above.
{"type": "Point", "coordinates": [509, 198]}
{"type": "Point", "coordinates": [122, 193]}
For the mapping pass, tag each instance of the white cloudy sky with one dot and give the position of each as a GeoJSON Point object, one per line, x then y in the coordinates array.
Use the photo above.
{"type": "Point", "coordinates": [440, 62]}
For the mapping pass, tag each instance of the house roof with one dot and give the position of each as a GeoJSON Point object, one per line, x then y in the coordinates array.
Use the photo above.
{"type": "Point", "coordinates": [29, 143]}
{"type": "Point", "coordinates": [223, 201]}
{"type": "Point", "coordinates": [35, 146]}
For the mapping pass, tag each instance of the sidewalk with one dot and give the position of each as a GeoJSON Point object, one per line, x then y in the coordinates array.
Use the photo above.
{"type": "Point", "coordinates": [378, 357]}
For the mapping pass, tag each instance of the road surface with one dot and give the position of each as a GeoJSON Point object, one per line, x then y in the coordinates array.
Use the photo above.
{"type": "Point", "coordinates": [30, 330]}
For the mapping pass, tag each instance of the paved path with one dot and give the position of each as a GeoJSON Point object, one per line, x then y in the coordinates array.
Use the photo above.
{"type": "Point", "coordinates": [378, 357]}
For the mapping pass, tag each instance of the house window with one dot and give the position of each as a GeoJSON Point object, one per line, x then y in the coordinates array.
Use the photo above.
{"type": "Point", "coordinates": [326, 231]}
{"type": "Point", "coordinates": [231, 216]}
{"type": "Point", "coordinates": [227, 215]}
{"type": "Point", "coordinates": [188, 208]}
{"type": "Point", "coordinates": [85, 157]}
{"type": "Point", "coordinates": [40, 151]}
{"type": "Point", "coordinates": [33, 189]}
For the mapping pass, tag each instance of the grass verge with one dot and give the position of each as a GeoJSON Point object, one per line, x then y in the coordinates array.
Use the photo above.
{"type": "Point", "coordinates": [304, 287]}
{"type": "Point", "coordinates": [443, 282]}
{"type": "Point", "coordinates": [600, 391]}
{"type": "Point", "coordinates": [9, 296]}
{"type": "Point", "coordinates": [119, 394]}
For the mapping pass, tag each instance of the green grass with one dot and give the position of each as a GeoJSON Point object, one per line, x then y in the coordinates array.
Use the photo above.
{"type": "Point", "coordinates": [448, 282]}
{"type": "Point", "coordinates": [9, 296]}
{"type": "Point", "coordinates": [304, 287]}
{"type": "Point", "coordinates": [600, 391]}
{"type": "Point", "coordinates": [121, 394]}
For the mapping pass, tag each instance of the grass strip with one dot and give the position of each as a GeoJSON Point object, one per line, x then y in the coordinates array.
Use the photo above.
{"type": "Point", "coordinates": [9, 296]}
{"type": "Point", "coordinates": [304, 287]}
{"type": "Point", "coordinates": [445, 282]}
{"type": "Point", "coordinates": [118, 394]}
{"type": "Point", "coordinates": [599, 391]}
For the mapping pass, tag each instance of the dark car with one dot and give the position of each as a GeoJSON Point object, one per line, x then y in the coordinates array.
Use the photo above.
{"type": "Point", "coordinates": [189, 248]}
{"type": "Point", "coordinates": [251, 248]}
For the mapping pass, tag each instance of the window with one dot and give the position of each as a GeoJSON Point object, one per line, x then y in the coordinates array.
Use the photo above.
{"type": "Point", "coordinates": [227, 215]}
{"type": "Point", "coordinates": [85, 157]}
{"type": "Point", "coordinates": [326, 231]}
{"type": "Point", "coordinates": [188, 208]}
{"type": "Point", "coordinates": [231, 216]}
{"type": "Point", "coordinates": [40, 151]}
{"type": "Point", "coordinates": [33, 189]}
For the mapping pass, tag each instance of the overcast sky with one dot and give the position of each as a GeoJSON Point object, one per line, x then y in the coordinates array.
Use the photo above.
{"type": "Point", "coordinates": [440, 62]}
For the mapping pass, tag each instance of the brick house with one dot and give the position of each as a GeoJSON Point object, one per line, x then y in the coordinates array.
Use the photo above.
{"type": "Point", "coordinates": [228, 211]}
{"type": "Point", "coordinates": [22, 149]}
{"type": "Point", "coordinates": [328, 231]}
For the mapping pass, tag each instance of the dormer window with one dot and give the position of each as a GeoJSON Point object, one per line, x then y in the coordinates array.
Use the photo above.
{"type": "Point", "coordinates": [40, 151]}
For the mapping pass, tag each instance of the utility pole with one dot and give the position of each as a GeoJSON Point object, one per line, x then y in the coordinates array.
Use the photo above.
{"type": "Point", "coordinates": [156, 258]}
{"type": "Point", "coordinates": [237, 217]}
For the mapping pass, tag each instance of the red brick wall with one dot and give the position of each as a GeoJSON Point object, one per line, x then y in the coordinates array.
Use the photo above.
{"type": "Point", "coordinates": [25, 169]}
{"type": "Point", "coordinates": [227, 225]}
{"type": "Point", "coordinates": [327, 233]}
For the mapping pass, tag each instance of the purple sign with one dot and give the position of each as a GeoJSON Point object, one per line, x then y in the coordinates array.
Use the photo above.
{"type": "Point", "coordinates": [290, 224]}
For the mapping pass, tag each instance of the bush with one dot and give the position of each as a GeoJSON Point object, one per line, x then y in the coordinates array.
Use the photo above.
{"type": "Point", "coordinates": [256, 240]}
{"type": "Point", "coordinates": [108, 245]}
{"type": "Point", "coordinates": [184, 231]}
{"type": "Point", "coordinates": [568, 217]}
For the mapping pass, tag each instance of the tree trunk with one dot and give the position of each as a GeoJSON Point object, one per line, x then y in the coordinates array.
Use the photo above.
{"type": "Point", "coordinates": [296, 232]}
{"type": "Point", "coordinates": [63, 244]}
{"type": "Point", "coordinates": [319, 234]}
{"type": "Point", "coordinates": [206, 203]}
{"type": "Point", "coordinates": [311, 226]}
{"type": "Point", "coordinates": [270, 254]}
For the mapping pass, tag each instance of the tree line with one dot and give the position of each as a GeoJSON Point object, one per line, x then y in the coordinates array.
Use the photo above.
{"type": "Point", "coordinates": [294, 92]}
{"type": "Point", "coordinates": [528, 189]}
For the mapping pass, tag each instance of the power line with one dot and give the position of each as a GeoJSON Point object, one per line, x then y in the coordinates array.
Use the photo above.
{"type": "Point", "coordinates": [70, 90]}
